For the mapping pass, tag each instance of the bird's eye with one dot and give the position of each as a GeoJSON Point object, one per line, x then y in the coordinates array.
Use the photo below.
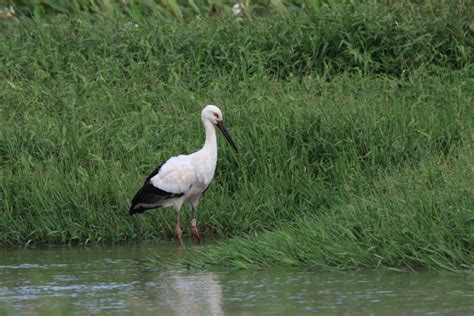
{"type": "Point", "coordinates": [216, 115]}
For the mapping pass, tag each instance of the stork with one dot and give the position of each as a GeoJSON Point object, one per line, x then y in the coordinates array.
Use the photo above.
{"type": "Point", "coordinates": [184, 178]}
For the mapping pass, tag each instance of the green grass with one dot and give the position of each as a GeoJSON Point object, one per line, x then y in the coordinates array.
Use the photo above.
{"type": "Point", "coordinates": [187, 10]}
{"type": "Point", "coordinates": [355, 126]}
{"type": "Point", "coordinates": [419, 217]}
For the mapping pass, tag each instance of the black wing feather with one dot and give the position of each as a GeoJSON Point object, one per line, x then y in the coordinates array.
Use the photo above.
{"type": "Point", "coordinates": [149, 194]}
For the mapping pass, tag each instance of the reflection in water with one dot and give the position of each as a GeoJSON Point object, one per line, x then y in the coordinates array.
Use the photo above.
{"type": "Point", "coordinates": [197, 293]}
{"type": "Point", "coordinates": [100, 280]}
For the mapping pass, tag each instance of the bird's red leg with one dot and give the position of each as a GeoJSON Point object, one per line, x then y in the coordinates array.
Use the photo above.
{"type": "Point", "coordinates": [194, 230]}
{"type": "Point", "coordinates": [178, 230]}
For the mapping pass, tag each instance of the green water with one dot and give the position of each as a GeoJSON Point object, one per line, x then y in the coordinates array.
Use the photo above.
{"type": "Point", "coordinates": [100, 280]}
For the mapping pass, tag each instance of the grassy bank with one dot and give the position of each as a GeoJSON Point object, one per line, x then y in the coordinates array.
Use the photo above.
{"type": "Point", "coordinates": [357, 119]}
{"type": "Point", "coordinates": [411, 218]}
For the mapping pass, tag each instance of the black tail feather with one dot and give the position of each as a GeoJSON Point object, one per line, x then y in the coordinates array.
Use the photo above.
{"type": "Point", "coordinates": [149, 195]}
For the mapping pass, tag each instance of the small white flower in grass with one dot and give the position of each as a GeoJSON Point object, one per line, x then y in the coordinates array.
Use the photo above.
{"type": "Point", "coordinates": [131, 24]}
{"type": "Point", "coordinates": [238, 11]}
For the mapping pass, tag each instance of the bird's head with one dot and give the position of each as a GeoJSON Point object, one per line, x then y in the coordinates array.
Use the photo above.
{"type": "Point", "coordinates": [213, 114]}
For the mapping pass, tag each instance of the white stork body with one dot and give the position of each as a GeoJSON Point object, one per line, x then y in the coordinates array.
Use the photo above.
{"type": "Point", "coordinates": [183, 179]}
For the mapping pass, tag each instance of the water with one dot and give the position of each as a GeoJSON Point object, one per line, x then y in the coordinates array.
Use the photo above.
{"type": "Point", "coordinates": [100, 280]}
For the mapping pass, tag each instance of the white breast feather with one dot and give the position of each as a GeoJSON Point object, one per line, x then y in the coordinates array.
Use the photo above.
{"type": "Point", "coordinates": [175, 176]}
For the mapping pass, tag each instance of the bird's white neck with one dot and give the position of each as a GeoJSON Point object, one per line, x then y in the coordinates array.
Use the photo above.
{"type": "Point", "coordinates": [210, 146]}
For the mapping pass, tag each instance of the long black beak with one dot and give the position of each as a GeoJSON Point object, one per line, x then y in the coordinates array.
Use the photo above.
{"type": "Point", "coordinates": [227, 136]}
